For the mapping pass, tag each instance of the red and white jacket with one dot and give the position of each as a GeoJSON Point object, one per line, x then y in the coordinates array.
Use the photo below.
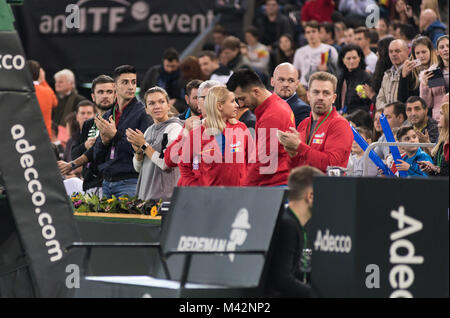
{"type": "Point", "coordinates": [330, 144]}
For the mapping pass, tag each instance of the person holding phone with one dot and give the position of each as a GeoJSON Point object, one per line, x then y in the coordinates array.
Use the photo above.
{"type": "Point", "coordinates": [422, 57]}
{"type": "Point", "coordinates": [434, 82]}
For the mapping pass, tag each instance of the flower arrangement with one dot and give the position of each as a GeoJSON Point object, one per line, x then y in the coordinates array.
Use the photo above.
{"type": "Point", "coordinates": [124, 204]}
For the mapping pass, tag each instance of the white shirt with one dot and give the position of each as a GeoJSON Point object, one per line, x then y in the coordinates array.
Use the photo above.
{"type": "Point", "coordinates": [371, 61]}
{"type": "Point", "coordinates": [307, 60]}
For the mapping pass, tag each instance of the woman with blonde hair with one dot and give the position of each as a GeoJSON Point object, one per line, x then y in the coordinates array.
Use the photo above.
{"type": "Point", "coordinates": [440, 151]}
{"type": "Point", "coordinates": [156, 181]}
{"type": "Point", "coordinates": [221, 156]}
{"type": "Point", "coordinates": [431, 4]}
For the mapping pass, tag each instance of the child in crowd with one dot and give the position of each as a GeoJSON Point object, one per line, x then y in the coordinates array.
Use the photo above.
{"type": "Point", "coordinates": [413, 155]}
{"type": "Point", "coordinates": [355, 166]}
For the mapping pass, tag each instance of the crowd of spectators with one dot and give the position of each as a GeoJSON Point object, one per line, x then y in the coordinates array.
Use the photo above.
{"type": "Point", "coordinates": [258, 102]}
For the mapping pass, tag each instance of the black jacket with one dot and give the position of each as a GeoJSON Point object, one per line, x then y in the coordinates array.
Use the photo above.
{"type": "Point", "coordinates": [92, 178]}
{"type": "Point", "coordinates": [352, 99]}
{"type": "Point", "coordinates": [284, 276]}
{"type": "Point", "coordinates": [270, 32]}
{"type": "Point", "coordinates": [249, 119]}
{"type": "Point", "coordinates": [115, 161]}
{"type": "Point", "coordinates": [406, 88]}
{"type": "Point", "coordinates": [300, 109]}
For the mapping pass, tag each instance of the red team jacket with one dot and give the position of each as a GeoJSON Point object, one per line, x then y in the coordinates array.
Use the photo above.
{"type": "Point", "coordinates": [273, 113]}
{"type": "Point", "coordinates": [208, 166]}
{"type": "Point", "coordinates": [329, 146]}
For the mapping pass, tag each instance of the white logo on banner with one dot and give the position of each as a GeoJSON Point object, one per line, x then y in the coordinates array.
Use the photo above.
{"type": "Point", "coordinates": [85, 17]}
{"type": "Point", "coordinates": [9, 62]}
{"type": "Point", "coordinates": [237, 237]}
{"type": "Point", "coordinates": [332, 243]}
{"type": "Point", "coordinates": [401, 275]}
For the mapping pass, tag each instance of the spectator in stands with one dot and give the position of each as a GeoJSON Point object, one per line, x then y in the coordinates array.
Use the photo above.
{"type": "Point", "coordinates": [422, 50]}
{"type": "Point", "coordinates": [383, 28]}
{"type": "Point", "coordinates": [58, 144]}
{"type": "Point", "coordinates": [168, 76]}
{"type": "Point", "coordinates": [103, 95]}
{"type": "Point", "coordinates": [289, 264]}
{"type": "Point", "coordinates": [112, 152]}
{"type": "Point", "coordinates": [396, 115]}
{"type": "Point", "coordinates": [355, 11]}
{"type": "Point", "coordinates": [209, 64]}
{"type": "Point", "coordinates": [430, 25]}
{"type": "Point", "coordinates": [272, 113]}
{"type": "Point", "coordinates": [361, 118]}
{"type": "Point", "coordinates": [191, 99]}
{"type": "Point", "coordinates": [46, 97]}
{"type": "Point", "coordinates": [221, 159]}
{"type": "Point", "coordinates": [431, 4]}
{"type": "Point", "coordinates": [317, 10]}
{"type": "Point", "coordinates": [403, 13]}
{"type": "Point", "coordinates": [190, 70]}
{"type": "Point", "coordinates": [356, 164]}
{"type": "Point", "coordinates": [325, 138]}
{"type": "Point", "coordinates": [232, 15]}
{"type": "Point", "coordinates": [85, 110]}
{"type": "Point", "coordinates": [314, 56]}
{"type": "Point", "coordinates": [285, 81]}
{"type": "Point", "coordinates": [416, 111]}
{"type": "Point", "coordinates": [156, 181]}
{"type": "Point", "coordinates": [349, 36]}
{"type": "Point", "coordinates": [67, 95]}
{"type": "Point", "coordinates": [373, 40]}
{"type": "Point", "coordinates": [256, 54]}
{"type": "Point", "coordinates": [327, 35]}
{"type": "Point", "coordinates": [398, 53]}
{"type": "Point", "coordinates": [285, 51]}
{"type": "Point", "coordinates": [231, 53]}
{"type": "Point", "coordinates": [433, 95]}
{"type": "Point", "coordinates": [362, 39]}
{"type": "Point", "coordinates": [383, 64]}
{"type": "Point", "coordinates": [414, 154]}
{"type": "Point", "coordinates": [407, 33]}
{"type": "Point", "coordinates": [272, 25]}
{"type": "Point", "coordinates": [73, 128]}
{"type": "Point", "coordinates": [377, 130]}
{"type": "Point", "coordinates": [440, 151]}
{"type": "Point", "coordinates": [354, 76]}
{"type": "Point", "coordinates": [339, 30]}
{"type": "Point", "coordinates": [218, 34]}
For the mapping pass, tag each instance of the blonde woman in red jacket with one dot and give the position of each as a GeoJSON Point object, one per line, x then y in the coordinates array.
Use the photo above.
{"type": "Point", "coordinates": [219, 149]}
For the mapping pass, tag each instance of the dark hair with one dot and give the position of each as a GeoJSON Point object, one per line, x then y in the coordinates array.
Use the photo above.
{"type": "Point", "coordinates": [361, 118]}
{"type": "Point", "coordinates": [329, 28]}
{"type": "Point", "coordinates": [55, 128]}
{"type": "Point", "coordinates": [365, 131]}
{"type": "Point", "coordinates": [83, 103]}
{"type": "Point", "coordinates": [74, 127]}
{"type": "Point", "coordinates": [413, 99]}
{"type": "Point", "coordinates": [211, 54]}
{"type": "Point", "coordinates": [399, 108]}
{"type": "Point", "coordinates": [364, 31]}
{"type": "Point", "coordinates": [191, 85]}
{"type": "Point", "coordinates": [171, 54]}
{"type": "Point", "coordinates": [253, 31]}
{"type": "Point", "coordinates": [440, 60]}
{"type": "Point", "coordinates": [348, 48]}
{"type": "Point", "coordinates": [34, 68]}
{"type": "Point", "coordinates": [231, 42]}
{"type": "Point", "coordinates": [373, 34]}
{"type": "Point", "coordinates": [312, 24]}
{"type": "Point", "coordinates": [101, 79]}
{"type": "Point", "coordinates": [245, 79]}
{"type": "Point", "coordinates": [280, 56]}
{"type": "Point", "coordinates": [384, 63]}
{"type": "Point", "coordinates": [386, 21]}
{"type": "Point", "coordinates": [190, 69]}
{"type": "Point", "coordinates": [408, 31]}
{"type": "Point", "coordinates": [123, 69]}
{"type": "Point", "coordinates": [403, 131]}
{"type": "Point", "coordinates": [219, 28]}
{"type": "Point", "coordinates": [300, 179]}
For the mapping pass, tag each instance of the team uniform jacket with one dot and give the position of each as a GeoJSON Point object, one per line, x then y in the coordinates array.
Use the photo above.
{"type": "Point", "coordinates": [330, 144]}
{"type": "Point", "coordinates": [274, 113]}
{"type": "Point", "coordinates": [209, 165]}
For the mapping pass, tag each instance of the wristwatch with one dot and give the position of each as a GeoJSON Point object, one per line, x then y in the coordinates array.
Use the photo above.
{"type": "Point", "coordinates": [73, 165]}
{"type": "Point", "coordinates": [144, 146]}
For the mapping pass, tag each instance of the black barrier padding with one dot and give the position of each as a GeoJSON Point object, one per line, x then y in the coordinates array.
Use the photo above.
{"type": "Point", "coordinates": [210, 217]}
{"type": "Point", "coordinates": [360, 208]}
{"type": "Point", "coordinates": [41, 209]}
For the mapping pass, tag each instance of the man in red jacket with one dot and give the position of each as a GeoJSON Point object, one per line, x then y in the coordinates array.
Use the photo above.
{"type": "Point", "coordinates": [325, 138]}
{"type": "Point", "coordinates": [272, 114]}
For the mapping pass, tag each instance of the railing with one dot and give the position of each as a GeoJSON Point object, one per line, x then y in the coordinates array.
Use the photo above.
{"type": "Point", "coordinates": [401, 144]}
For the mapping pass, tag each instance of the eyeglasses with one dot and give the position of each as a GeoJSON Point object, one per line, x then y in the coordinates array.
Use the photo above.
{"type": "Point", "coordinates": [201, 97]}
